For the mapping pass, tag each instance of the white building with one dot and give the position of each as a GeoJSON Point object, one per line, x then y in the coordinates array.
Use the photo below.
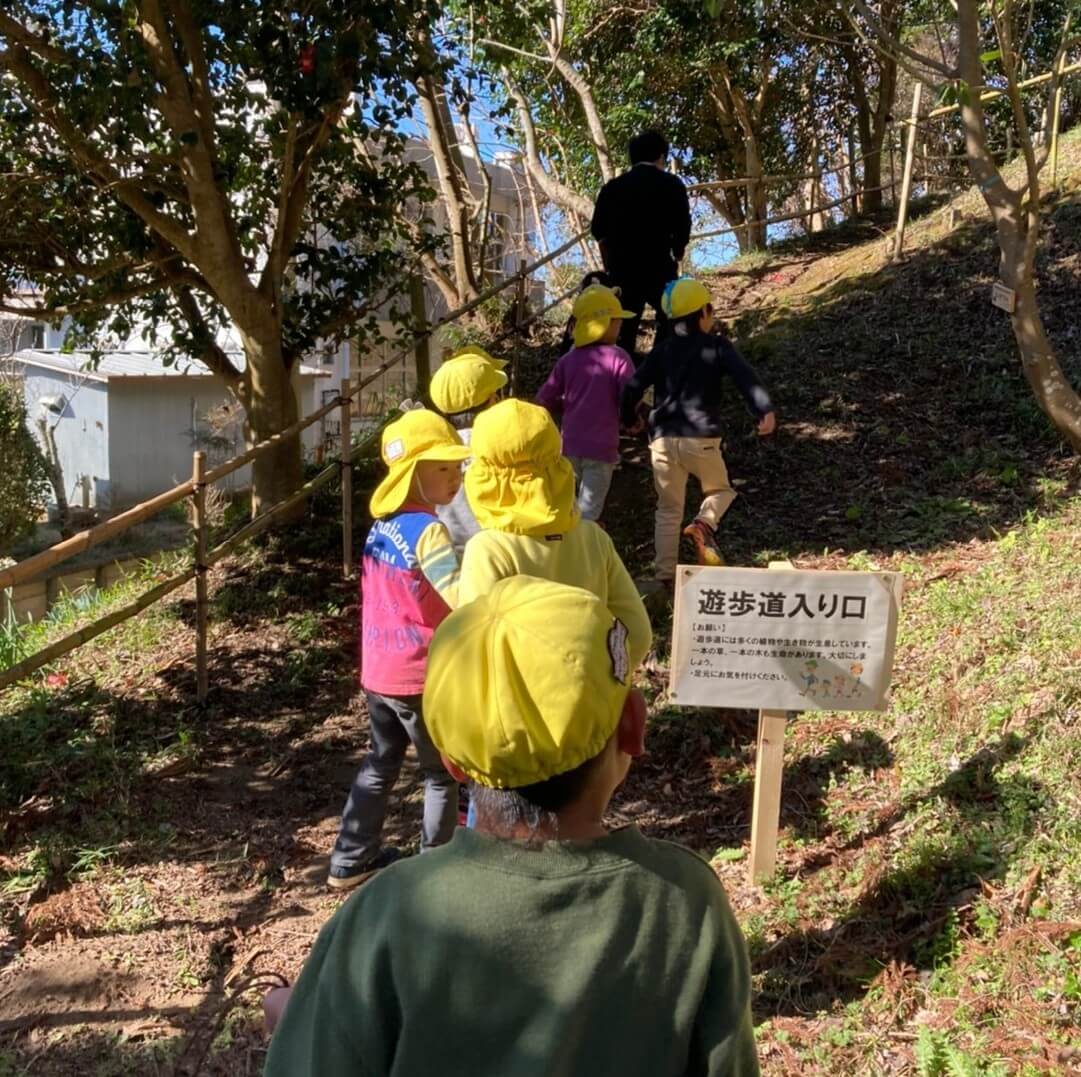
{"type": "Point", "coordinates": [126, 428]}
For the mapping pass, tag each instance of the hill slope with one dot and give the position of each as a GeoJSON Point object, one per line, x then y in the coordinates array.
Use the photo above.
{"type": "Point", "coordinates": [926, 914]}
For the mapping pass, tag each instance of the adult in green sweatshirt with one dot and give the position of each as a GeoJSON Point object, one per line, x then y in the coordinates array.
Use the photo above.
{"type": "Point", "coordinates": [540, 944]}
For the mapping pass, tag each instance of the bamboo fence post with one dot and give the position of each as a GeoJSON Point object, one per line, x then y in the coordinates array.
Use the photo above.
{"type": "Point", "coordinates": [906, 179]}
{"type": "Point", "coordinates": [422, 355]}
{"type": "Point", "coordinates": [1056, 121]}
{"type": "Point", "coordinates": [198, 500]}
{"type": "Point", "coordinates": [346, 465]}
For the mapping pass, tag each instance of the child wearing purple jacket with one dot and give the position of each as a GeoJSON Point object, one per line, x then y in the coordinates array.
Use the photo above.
{"type": "Point", "coordinates": [585, 388]}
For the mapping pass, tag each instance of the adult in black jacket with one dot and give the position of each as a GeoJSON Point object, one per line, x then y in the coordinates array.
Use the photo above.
{"type": "Point", "coordinates": [642, 222]}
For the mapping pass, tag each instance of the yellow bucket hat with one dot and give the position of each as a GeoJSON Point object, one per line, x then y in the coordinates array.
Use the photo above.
{"type": "Point", "coordinates": [519, 480]}
{"type": "Point", "coordinates": [466, 381]}
{"type": "Point", "coordinates": [684, 296]}
{"type": "Point", "coordinates": [417, 435]}
{"type": "Point", "coordinates": [526, 682]}
{"type": "Point", "coordinates": [475, 351]}
{"type": "Point", "coordinates": [594, 309]}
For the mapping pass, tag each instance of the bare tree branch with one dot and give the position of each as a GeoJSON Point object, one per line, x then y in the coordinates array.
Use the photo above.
{"type": "Point", "coordinates": [553, 189]}
{"type": "Point", "coordinates": [881, 38]}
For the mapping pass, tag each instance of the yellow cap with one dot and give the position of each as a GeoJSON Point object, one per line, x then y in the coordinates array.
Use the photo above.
{"type": "Point", "coordinates": [684, 296]}
{"type": "Point", "coordinates": [594, 310]}
{"type": "Point", "coordinates": [526, 682]}
{"type": "Point", "coordinates": [417, 435]}
{"type": "Point", "coordinates": [477, 352]}
{"type": "Point", "coordinates": [466, 381]}
{"type": "Point", "coordinates": [519, 480]}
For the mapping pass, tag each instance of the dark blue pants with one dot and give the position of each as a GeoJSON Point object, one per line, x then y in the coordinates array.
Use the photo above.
{"type": "Point", "coordinates": [394, 724]}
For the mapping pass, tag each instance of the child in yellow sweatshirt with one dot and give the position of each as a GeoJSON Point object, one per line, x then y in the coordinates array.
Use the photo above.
{"type": "Point", "coordinates": [522, 491]}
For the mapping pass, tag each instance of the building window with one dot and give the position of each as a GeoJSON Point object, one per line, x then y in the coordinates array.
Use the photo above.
{"type": "Point", "coordinates": [37, 336]}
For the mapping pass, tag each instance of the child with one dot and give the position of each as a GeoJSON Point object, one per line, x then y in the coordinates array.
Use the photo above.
{"type": "Point", "coordinates": [686, 371]}
{"type": "Point", "coordinates": [468, 382]}
{"type": "Point", "coordinates": [522, 491]}
{"type": "Point", "coordinates": [597, 951]}
{"type": "Point", "coordinates": [409, 582]}
{"type": "Point", "coordinates": [585, 386]}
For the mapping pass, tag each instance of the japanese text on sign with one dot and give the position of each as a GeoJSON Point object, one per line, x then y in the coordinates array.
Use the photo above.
{"type": "Point", "coordinates": [783, 639]}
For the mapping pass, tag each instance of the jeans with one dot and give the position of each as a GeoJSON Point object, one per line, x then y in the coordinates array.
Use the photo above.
{"type": "Point", "coordinates": [594, 480]}
{"type": "Point", "coordinates": [394, 723]}
{"type": "Point", "coordinates": [673, 460]}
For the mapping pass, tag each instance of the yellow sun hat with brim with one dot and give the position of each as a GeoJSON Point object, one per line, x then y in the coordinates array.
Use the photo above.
{"type": "Point", "coordinates": [475, 351]}
{"type": "Point", "coordinates": [465, 382]}
{"type": "Point", "coordinates": [519, 480]}
{"type": "Point", "coordinates": [417, 435]}
{"type": "Point", "coordinates": [593, 311]}
{"type": "Point", "coordinates": [684, 296]}
{"type": "Point", "coordinates": [526, 682]}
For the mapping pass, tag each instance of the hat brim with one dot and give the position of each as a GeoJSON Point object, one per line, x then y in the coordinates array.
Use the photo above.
{"type": "Point", "coordinates": [588, 329]}
{"type": "Point", "coordinates": [393, 492]}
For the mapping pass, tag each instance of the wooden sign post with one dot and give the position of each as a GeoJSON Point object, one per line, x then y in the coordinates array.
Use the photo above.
{"type": "Point", "coordinates": [781, 641]}
{"type": "Point", "coordinates": [768, 774]}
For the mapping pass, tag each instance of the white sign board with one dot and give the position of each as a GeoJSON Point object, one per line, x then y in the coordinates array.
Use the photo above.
{"type": "Point", "coordinates": [1004, 298]}
{"type": "Point", "coordinates": [781, 639]}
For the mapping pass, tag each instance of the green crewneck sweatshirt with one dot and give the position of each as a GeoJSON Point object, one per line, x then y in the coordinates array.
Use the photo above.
{"type": "Point", "coordinates": [489, 958]}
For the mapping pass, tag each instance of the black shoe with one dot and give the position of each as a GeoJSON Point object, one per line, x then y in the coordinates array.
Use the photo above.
{"type": "Point", "coordinates": [352, 877]}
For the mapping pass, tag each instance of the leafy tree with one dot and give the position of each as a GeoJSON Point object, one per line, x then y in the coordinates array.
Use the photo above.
{"type": "Point", "coordinates": [586, 76]}
{"type": "Point", "coordinates": [185, 165]}
{"type": "Point", "coordinates": [23, 478]}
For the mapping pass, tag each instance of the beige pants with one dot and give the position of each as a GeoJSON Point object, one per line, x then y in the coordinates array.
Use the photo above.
{"type": "Point", "coordinates": [673, 460]}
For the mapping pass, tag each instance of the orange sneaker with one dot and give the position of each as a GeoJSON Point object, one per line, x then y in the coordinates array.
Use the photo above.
{"type": "Point", "coordinates": [705, 545]}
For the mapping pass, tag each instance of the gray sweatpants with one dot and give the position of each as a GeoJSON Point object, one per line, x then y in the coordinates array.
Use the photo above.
{"type": "Point", "coordinates": [394, 723]}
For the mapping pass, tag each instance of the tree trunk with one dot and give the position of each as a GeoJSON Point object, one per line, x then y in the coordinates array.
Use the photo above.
{"type": "Point", "coordinates": [1056, 397]}
{"type": "Point", "coordinates": [729, 205]}
{"type": "Point", "coordinates": [554, 190]}
{"type": "Point", "coordinates": [270, 401]}
{"type": "Point", "coordinates": [872, 176]}
{"type": "Point", "coordinates": [757, 197]}
{"type": "Point", "coordinates": [580, 85]}
{"type": "Point", "coordinates": [455, 204]}
{"type": "Point", "coordinates": [56, 477]}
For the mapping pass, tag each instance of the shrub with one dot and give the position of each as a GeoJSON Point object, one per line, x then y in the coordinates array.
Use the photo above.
{"type": "Point", "coordinates": [23, 478]}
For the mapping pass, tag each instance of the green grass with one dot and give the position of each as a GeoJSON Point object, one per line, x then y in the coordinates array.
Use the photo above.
{"type": "Point", "coordinates": [73, 749]}
{"type": "Point", "coordinates": [984, 756]}
{"type": "Point", "coordinates": [19, 640]}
